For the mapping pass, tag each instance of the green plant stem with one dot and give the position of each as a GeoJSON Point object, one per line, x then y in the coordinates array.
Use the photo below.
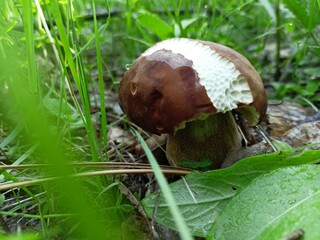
{"type": "Point", "coordinates": [278, 40]}
{"type": "Point", "coordinates": [181, 225]}
{"type": "Point", "coordinates": [77, 72]}
{"type": "Point", "coordinates": [14, 214]}
{"type": "Point", "coordinates": [128, 16]}
{"type": "Point", "coordinates": [29, 35]}
{"type": "Point", "coordinates": [103, 135]}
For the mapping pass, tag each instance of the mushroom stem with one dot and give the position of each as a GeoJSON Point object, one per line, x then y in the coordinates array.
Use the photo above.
{"type": "Point", "coordinates": [213, 139]}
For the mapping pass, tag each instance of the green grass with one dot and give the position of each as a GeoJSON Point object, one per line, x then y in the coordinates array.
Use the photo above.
{"type": "Point", "coordinates": [55, 69]}
{"type": "Point", "coordinates": [180, 223]}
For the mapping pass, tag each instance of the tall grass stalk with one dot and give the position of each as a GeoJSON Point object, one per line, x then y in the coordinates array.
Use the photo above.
{"type": "Point", "coordinates": [74, 198]}
{"type": "Point", "coordinates": [30, 46]}
{"type": "Point", "coordinates": [103, 135]}
{"type": "Point", "coordinates": [278, 40]}
{"type": "Point", "coordinates": [67, 195]}
{"type": "Point", "coordinates": [76, 69]}
{"type": "Point", "coordinates": [181, 225]}
{"type": "Point", "coordinates": [64, 83]}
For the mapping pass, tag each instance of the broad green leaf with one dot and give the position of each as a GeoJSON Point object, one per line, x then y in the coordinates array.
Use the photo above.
{"type": "Point", "coordinates": [281, 146]}
{"type": "Point", "coordinates": [155, 25]}
{"type": "Point", "coordinates": [314, 72]}
{"type": "Point", "coordinates": [274, 206]}
{"type": "Point", "coordinates": [300, 12]}
{"type": "Point", "coordinates": [187, 22]}
{"type": "Point", "coordinates": [184, 24]}
{"type": "Point", "coordinates": [60, 108]}
{"type": "Point", "coordinates": [55, 106]}
{"type": "Point", "coordinates": [313, 86]}
{"type": "Point", "coordinates": [214, 189]}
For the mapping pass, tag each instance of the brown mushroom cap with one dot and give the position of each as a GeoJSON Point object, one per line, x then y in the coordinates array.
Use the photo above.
{"type": "Point", "coordinates": [178, 80]}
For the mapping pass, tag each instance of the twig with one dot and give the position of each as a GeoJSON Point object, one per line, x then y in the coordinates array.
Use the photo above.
{"type": "Point", "coordinates": [266, 137]}
{"type": "Point", "coordinates": [91, 164]}
{"type": "Point", "coordinates": [8, 186]}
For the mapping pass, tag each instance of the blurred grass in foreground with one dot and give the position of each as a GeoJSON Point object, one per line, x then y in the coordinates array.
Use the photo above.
{"type": "Point", "coordinates": [46, 75]}
{"type": "Point", "coordinates": [89, 209]}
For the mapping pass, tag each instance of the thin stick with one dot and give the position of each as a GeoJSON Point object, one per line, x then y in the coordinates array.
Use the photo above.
{"type": "Point", "coordinates": [8, 186]}
{"type": "Point", "coordinates": [266, 137]}
{"type": "Point", "coordinates": [91, 164]}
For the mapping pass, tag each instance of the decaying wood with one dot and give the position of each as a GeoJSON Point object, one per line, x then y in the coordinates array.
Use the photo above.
{"type": "Point", "coordinates": [284, 116]}
{"type": "Point", "coordinates": [304, 134]}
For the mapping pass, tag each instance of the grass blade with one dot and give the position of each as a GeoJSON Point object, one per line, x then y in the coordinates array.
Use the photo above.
{"type": "Point", "coordinates": [167, 194]}
{"type": "Point", "coordinates": [77, 72]}
{"type": "Point", "coordinates": [103, 135]}
{"type": "Point", "coordinates": [29, 35]}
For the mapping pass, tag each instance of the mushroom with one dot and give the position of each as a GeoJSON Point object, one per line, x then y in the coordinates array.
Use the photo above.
{"type": "Point", "coordinates": [189, 90]}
